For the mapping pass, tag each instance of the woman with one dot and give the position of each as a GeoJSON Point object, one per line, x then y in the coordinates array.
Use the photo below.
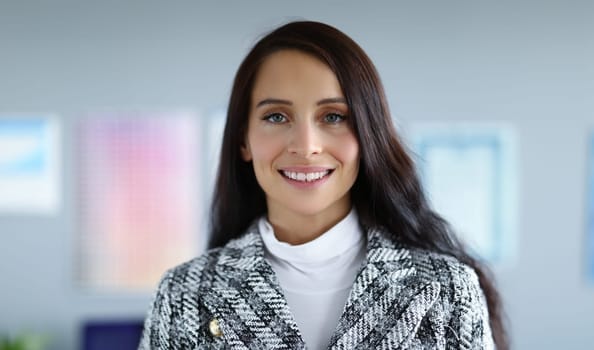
{"type": "Point", "coordinates": [321, 236]}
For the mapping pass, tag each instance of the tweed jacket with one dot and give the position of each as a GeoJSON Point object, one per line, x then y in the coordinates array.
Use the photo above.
{"type": "Point", "coordinates": [402, 298]}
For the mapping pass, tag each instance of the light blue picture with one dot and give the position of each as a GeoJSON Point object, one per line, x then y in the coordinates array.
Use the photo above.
{"type": "Point", "coordinates": [22, 147]}
{"type": "Point", "coordinates": [469, 172]}
{"type": "Point", "coordinates": [29, 165]}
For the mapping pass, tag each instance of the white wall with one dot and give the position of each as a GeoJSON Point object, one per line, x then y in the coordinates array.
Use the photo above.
{"type": "Point", "coordinates": [527, 62]}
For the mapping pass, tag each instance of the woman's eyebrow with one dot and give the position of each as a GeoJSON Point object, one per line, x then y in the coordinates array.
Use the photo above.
{"type": "Point", "coordinates": [276, 101]}
{"type": "Point", "coordinates": [332, 100]}
{"type": "Point", "coordinates": [273, 101]}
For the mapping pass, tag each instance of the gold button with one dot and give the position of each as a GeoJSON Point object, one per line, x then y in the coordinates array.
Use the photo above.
{"type": "Point", "coordinates": [214, 328]}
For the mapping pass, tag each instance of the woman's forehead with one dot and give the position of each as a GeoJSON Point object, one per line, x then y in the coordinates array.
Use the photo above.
{"type": "Point", "coordinates": [292, 73]}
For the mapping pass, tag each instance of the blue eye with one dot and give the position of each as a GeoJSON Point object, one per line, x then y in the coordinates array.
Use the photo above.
{"type": "Point", "coordinates": [275, 118]}
{"type": "Point", "coordinates": [333, 118]}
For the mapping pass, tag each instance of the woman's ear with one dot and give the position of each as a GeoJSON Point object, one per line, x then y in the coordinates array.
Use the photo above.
{"type": "Point", "coordinates": [246, 153]}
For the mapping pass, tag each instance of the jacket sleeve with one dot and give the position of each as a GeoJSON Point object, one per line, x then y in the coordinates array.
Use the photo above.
{"type": "Point", "coordinates": [469, 320]}
{"type": "Point", "coordinates": [157, 325]}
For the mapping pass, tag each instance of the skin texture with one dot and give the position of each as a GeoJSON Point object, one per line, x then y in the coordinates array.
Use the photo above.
{"type": "Point", "coordinates": [298, 120]}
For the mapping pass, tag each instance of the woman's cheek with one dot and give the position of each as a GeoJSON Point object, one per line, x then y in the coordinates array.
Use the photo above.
{"type": "Point", "coordinates": [347, 148]}
{"type": "Point", "coordinates": [267, 146]}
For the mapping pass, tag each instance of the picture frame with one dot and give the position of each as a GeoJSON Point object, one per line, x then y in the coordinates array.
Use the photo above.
{"type": "Point", "coordinates": [139, 189]}
{"type": "Point", "coordinates": [469, 173]}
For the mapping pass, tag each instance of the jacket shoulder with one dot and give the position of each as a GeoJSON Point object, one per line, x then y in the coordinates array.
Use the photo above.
{"type": "Point", "coordinates": [441, 267]}
{"type": "Point", "coordinates": [458, 281]}
{"type": "Point", "coordinates": [198, 272]}
{"type": "Point", "coordinates": [192, 273]}
{"type": "Point", "coordinates": [429, 265]}
{"type": "Point", "coordinates": [175, 311]}
{"type": "Point", "coordinates": [462, 300]}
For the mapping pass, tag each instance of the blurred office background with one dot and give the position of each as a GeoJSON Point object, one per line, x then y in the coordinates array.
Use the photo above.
{"type": "Point", "coordinates": [529, 64]}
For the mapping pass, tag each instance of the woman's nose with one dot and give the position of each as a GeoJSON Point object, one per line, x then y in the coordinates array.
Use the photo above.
{"type": "Point", "coordinates": [304, 140]}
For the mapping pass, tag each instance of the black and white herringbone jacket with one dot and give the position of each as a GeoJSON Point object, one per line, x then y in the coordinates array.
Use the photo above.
{"type": "Point", "coordinates": [402, 298]}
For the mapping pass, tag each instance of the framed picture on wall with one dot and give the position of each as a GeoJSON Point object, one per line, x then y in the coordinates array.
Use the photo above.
{"type": "Point", "coordinates": [30, 165]}
{"type": "Point", "coordinates": [139, 197]}
{"type": "Point", "coordinates": [469, 173]}
{"type": "Point", "coordinates": [590, 216]}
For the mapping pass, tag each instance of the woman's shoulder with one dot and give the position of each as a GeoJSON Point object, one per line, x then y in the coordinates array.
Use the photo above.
{"type": "Point", "coordinates": [459, 285]}
{"type": "Point", "coordinates": [459, 298]}
{"type": "Point", "coordinates": [190, 273]}
{"type": "Point", "coordinates": [459, 282]}
{"type": "Point", "coordinates": [440, 265]}
{"type": "Point", "coordinates": [429, 265]}
{"type": "Point", "coordinates": [202, 269]}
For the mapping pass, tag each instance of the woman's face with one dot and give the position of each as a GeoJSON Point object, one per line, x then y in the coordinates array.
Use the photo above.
{"type": "Point", "coordinates": [304, 152]}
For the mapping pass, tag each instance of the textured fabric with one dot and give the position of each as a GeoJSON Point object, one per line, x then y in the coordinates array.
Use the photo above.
{"type": "Point", "coordinates": [402, 298]}
{"type": "Point", "coordinates": [316, 277]}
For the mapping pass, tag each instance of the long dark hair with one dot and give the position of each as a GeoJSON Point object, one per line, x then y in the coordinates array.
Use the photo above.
{"type": "Point", "coordinates": [387, 192]}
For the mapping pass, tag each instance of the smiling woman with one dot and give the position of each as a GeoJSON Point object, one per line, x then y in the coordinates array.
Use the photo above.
{"type": "Point", "coordinates": [321, 237]}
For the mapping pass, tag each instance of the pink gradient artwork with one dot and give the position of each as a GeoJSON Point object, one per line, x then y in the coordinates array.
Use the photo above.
{"type": "Point", "coordinates": [139, 198]}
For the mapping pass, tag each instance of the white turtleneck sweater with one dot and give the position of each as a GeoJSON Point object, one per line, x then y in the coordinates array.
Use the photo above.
{"type": "Point", "coordinates": [317, 276]}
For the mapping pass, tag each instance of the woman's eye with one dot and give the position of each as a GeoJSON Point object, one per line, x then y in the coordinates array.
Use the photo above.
{"type": "Point", "coordinates": [275, 118]}
{"type": "Point", "coordinates": [333, 118]}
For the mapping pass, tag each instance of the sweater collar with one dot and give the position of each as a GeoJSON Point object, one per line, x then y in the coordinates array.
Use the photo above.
{"type": "Point", "coordinates": [247, 252]}
{"type": "Point", "coordinates": [343, 236]}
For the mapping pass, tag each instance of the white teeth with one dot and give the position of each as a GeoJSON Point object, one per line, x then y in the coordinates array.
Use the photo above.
{"type": "Point", "coordinates": [305, 177]}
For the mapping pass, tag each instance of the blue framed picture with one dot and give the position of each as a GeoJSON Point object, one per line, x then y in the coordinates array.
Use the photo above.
{"type": "Point", "coordinates": [469, 175]}
{"type": "Point", "coordinates": [29, 165]}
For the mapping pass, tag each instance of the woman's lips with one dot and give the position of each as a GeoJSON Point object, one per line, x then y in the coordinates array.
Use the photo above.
{"type": "Point", "coordinates": [305, 177]}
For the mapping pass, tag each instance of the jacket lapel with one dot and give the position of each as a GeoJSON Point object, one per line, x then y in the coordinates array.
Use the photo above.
{"type": "Point", "coordinates": [385, 307]}
{"type": "Point", "coordinates": [388, 301]}
{"type": "Point", "coordinates": [247, 301]}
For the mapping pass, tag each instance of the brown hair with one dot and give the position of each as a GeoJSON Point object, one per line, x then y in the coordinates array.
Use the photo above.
{"type": "Point", "coordinates": [387, 192]}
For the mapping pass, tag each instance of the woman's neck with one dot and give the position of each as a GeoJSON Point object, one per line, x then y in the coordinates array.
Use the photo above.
{"type": "Point", "coordinates": [297, 228]}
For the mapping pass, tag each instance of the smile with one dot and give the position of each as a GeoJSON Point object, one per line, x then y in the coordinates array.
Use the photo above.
{"type": "Point", "coordinates": [305, 177]}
